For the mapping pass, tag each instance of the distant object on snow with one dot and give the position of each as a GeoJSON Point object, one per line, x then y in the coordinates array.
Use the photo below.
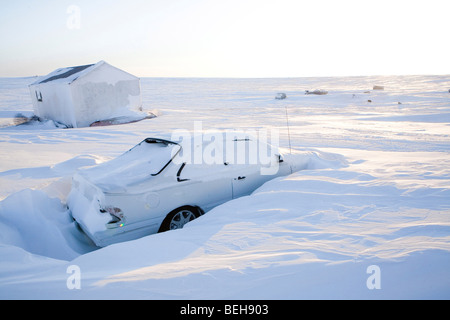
{"type": "Point", "coordinates": [378, 88]}
{"type": "Point", "coordinates": [121, 120]}
{"type": "Point", "coordinates": [317, 92]}
{"type": "Point", "coordinates": [281, 96]}
{"type": "Point", "coordinates": [79, 96]}
{"type": "Point", "coordinates": [20, 119]}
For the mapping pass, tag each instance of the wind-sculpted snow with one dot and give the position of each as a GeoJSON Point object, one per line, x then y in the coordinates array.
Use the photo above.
{"type": "Point", "coordinates": [40, 225]}
{"type": "Point", "coordinates": [367, 217]}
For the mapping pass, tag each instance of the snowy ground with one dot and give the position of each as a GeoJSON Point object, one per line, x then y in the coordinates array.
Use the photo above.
{"type": "Point", "coordinates": [376, 193]}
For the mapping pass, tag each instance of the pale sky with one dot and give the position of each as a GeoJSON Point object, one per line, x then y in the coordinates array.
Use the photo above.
{"type": "Point", "coordinates": [227, 38]}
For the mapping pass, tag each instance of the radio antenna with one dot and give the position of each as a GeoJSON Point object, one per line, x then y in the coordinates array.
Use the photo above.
{"type": "Point", "coordinates": [289, 132]}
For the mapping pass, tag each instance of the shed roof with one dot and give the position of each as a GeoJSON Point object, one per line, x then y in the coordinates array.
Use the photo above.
{"type": "Point", "coordinates": [70, 74]}
{"type": "Point", "coordinates": [64, 73]}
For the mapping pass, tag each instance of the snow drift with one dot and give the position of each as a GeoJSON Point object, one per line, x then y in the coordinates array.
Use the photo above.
{"type": "Point", "coordinates": [368, 218]}
{"type": "Point", "coordinates": [40, 225]}
{"type": "Point", "coordinates": [302, 236]}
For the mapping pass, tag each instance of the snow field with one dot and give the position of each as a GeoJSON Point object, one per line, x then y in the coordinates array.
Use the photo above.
{"type": "Point", "coordinates": [375, 193]}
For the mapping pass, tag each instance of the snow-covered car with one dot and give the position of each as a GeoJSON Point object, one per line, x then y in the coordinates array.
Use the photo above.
{"type": "Point", "coordinates": [161, 185]}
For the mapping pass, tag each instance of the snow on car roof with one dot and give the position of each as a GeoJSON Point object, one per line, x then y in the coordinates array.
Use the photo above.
{"type": "Point", "coordinates": [150, 158]}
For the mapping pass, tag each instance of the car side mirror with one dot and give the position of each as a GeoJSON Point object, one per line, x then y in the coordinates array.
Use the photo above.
{"type": "Point", "coordinates": [280, 159]}
{"type": "Point", "coordinates": [179, 173]}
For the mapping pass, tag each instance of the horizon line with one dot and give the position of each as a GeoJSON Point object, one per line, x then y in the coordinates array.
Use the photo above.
{"type": "Point", "coordinates": [260, 77]}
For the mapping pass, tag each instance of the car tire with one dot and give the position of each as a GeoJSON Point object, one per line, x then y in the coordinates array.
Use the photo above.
{"type": "Point", "coordinates": [178, 218]}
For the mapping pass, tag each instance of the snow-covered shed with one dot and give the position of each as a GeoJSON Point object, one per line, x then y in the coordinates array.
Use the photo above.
{"type": "Point", "coordinates": [79, 96]}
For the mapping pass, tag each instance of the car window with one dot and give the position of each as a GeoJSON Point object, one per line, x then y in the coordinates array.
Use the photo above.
{"type": "Point", "coordinates": [248, 153]}
{"type": "Point", "coordinates": [202, 171]}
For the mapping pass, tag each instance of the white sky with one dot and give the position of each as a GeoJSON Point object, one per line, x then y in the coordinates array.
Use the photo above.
{"type": "Point", "coordinates": [227, 38]}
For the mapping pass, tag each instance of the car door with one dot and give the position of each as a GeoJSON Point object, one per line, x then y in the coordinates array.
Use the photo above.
{"type": "Point", "coordinates": [249, 169]}
{"type": "Point", "coordinates": [206, 186]}
{"type": "Point", "coordinates": [246, 179]}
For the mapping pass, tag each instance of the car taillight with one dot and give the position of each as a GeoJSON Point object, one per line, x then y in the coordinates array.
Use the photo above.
{"type": "Point", "coordinates": [117, 217]}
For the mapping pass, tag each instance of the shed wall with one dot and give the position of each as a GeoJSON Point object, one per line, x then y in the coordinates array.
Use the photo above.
{"type": "Point", "coordinates": [56, 102]}
{"type": "Point", "coordinates": [104, 93]}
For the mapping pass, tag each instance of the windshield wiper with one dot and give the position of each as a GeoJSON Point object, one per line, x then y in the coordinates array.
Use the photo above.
{"type": "Point", "coordinates": [165, 142]}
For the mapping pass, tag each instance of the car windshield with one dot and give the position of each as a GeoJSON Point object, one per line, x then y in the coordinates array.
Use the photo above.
{"type": "Point", "coordinates": [147, 159]}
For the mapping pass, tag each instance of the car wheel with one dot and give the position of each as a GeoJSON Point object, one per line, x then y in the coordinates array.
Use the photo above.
{"type": "Point", "coordinates": [178, 218]}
